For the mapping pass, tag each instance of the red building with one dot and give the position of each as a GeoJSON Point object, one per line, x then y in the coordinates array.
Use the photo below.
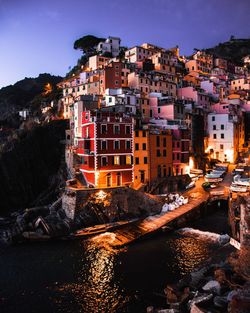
{"type": "Point", "coordinates": [111, 76]}
{"type": "Point", "coordinates": [106, 149]}
{"type": "Point", "coordinates": [181, 150]}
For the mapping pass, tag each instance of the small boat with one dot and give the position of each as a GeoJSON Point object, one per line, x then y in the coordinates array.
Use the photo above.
{"type": "Point", "coordinates": [191, 185]}
{"type": "Point", "coordinates": [238, 188]}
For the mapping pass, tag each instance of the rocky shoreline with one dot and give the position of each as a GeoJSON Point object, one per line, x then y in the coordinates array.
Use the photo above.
{"type": "Point", "coordinates": [216, 286]}
{"type": "Point", "coordinates": [52, 222]}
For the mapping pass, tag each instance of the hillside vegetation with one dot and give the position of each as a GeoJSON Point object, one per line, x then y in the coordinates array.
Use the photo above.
{"type": "Point", "coordinates": [233, 50]}
{"type": "Point", "coordinates": [20, 95]}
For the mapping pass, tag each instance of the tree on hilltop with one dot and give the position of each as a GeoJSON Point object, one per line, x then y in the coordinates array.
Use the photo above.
{"type": "Point", "coordinates": [87, 44]}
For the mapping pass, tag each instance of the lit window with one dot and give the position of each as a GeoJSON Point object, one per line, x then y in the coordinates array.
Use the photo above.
{"type": "Point", "coordinates": [128, 159]}
{"type": "Point", "coordinates": [116, 160]}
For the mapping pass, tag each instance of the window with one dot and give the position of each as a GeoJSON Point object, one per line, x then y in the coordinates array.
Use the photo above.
{"type": "Point", "coordinates": [164, 142]}
{"type": "Point", "coordinates": [159, 110]}
{"type": "Point", "coordinates": [116, 82]}
{"type": "Point", "coordinates": [127, 129]}
{"type": "Point", "coordinates": [136, 133]}
{"type": "Point", "coordinates": [87, 132]}
{"type": "Point", "coordinates": [158, 141]}
{"type": "Point", "coordinates": [145, 160]}
{"type": "Point", "coordinates": [116, 144]}
{"type": "Point", "coordinates": [103, 129]}
{"type": "Point", "coordinates": [164, 153]}
{"type": "Point", "coordinates": [110, 99]}
{"type": "Point", "coordinates": [104, 145]}
{"type": "Point", "coordinates": [104, 161]}
{"type": "Point", "coordinates": [137, 146]}
{"type": "Point", "coordinates": [144, 146]}
{"type": "Point", "coordinates": [116, 160]}
{"type": "Point", "coordinates": [214, 127]}
{"type": "Point", "coordinates": [128, 144]}
{"type": "Point", "coordinates": [178, 156]}
{"type": "Point", "coordinates": [144, 134]}
{"type": "Point", "coordinates": [109, 181]}
{"type": "Point", "coordinates": [222, 126]}
{"type": "Point", "coordinates": [213, 118]}
{"type": "Point", "coordinates": [159, 170]}
{"type": "Point", "coordinates": [116, 73]}
{"type": "Point", "coordinates": [136, 160]}
{"type": "Point", "coordinates": [221, 147]}
{"type": "Point", "coordinates": [158, 153]}
{"type": "Point", "coordinates": [178, 144]}
{"type": "Point", "coordinates": [164, 171]}
{"type": "Point", "coordinates": [128, 159]}
{"type": "Point", "coordinates": [214, 136]}
{"type": "Point", "coordinates": [222, 136]}
{"type": "Point", "coordinates": [116, 129]}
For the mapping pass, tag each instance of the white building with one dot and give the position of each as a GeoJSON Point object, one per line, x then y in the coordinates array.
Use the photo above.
{"type": "Point", "coordinates": [127, 101]}
{"type": "Point", "coordinates": [223, 137]}
{"type": "Point", "coordinates": [78, 108]}
{"type": "Point", "coordinates": [111, 45]}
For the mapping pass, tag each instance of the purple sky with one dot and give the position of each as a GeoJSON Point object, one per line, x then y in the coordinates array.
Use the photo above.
{"type": "Point", "coordinates": [37, 36]}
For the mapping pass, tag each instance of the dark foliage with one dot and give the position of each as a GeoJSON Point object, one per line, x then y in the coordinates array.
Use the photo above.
{"type": "Point", "coordinates": [87, 43]}
{"type": "Point", "coordinates": [30, 165]}
{"type": "Point", "coordinates": [233, 50]}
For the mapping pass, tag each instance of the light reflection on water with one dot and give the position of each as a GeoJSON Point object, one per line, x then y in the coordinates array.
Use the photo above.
{"type": "Point", "coordinates": [189, 252]}
{"type": "Point", "coordinates": [89, 276]}
{"type": "Point", "coordinates": [100, 289]}
{"type": "Point", "coordinates": [96, 290]}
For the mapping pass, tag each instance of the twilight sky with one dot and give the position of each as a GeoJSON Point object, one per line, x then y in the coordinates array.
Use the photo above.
{"type": "Point", "coordinates": [37, 36]}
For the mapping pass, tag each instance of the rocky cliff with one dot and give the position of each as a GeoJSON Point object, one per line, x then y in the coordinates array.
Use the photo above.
{"type": "Point", "coordinates": [32, 167]}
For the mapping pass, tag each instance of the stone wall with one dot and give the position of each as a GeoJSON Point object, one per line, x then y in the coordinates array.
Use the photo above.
{"type": "Point", "coordinates": [109, 204]}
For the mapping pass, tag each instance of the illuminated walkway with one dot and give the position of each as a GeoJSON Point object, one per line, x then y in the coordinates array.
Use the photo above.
{"type": "Point", "coordinates": [129, 233]}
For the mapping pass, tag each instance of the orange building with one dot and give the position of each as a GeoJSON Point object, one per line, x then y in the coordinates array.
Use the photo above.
{"type": "Point", "coordinates": [152, 156]}
{"type": "Point", "coordinates": [141, 158]}
{"type": "Point", "coordinates": [161, 156]}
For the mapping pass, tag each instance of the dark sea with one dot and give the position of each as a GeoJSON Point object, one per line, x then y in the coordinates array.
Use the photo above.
{"type": "Point", "coordinates": [88, 276]}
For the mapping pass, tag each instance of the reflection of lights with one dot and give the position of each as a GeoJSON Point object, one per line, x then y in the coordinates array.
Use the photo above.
{"type": "Point", "coordinates": [96, 289]}
{"type": "Point", "coordinates": [189, 253]}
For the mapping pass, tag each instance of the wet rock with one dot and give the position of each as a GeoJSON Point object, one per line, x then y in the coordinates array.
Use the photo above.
{"type": "Point", "coordinates": [220, 302]}
{"type": "Point", "coordinates": [200, 299]}
{"type": "Point", "coordinates": [223, 239]}
{"type": "Point", "coordinates": [212, 286]}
